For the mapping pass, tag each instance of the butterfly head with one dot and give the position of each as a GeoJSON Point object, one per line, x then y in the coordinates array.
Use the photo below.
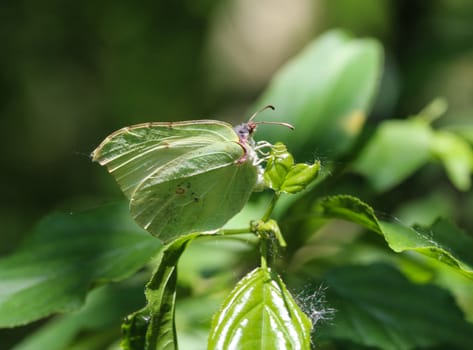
{"type": "Point", "coordinates": [245, 131]}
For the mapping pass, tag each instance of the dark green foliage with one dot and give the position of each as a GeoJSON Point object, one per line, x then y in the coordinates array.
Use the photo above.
{"type": "Point", "coordinates": [364, 240]}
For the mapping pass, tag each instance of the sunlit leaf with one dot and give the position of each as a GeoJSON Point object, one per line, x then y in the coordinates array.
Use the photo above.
{"type": "Point", "coordinates": [282, 175]}
{"type": "Point", "coordinates": [442, 240]}
{"type": "Point", "coordinates": [326, 93]}
{"type": "Point", "coordinates": [279, 163]}
{"type": "Point", "coordinates": [260, 313]}
{"type": "Point", "coordinates": [397, 149]}
{"type": "Point", "coordinates": [300, 176]}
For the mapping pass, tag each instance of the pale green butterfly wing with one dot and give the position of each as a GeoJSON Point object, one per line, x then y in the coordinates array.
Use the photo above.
{"type": "Point", "coordinates": [180, 177]}
{"type": "Point", "coordinates": [133, 153]}
{"type": "Point", "coordinates": [203, 192]}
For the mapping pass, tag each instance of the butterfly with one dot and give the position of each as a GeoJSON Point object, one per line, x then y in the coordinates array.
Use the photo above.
{"type": "Point", "coordinates": [183, 177]}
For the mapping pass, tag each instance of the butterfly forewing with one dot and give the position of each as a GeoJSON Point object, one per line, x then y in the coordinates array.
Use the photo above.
{"type": "Point", "coordinates": [133, 153]}
{"type": "Point", "coordinates": [180, 177]}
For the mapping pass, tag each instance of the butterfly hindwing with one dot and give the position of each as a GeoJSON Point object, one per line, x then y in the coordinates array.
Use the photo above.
{"type": "Point", "coordinates": [201, 193]}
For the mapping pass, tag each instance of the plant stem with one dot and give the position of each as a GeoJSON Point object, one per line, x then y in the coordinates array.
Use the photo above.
{"type": "Point", "coordinates": [271, 207]}
{"type": "Point", "coordinates": [263, 252]}
{"type": "Point", "coordinates": [235, 231]}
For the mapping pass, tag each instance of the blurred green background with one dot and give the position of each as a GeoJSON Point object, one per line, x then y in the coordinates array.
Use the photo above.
{"type": "Point", "coordinates": [72, 72]}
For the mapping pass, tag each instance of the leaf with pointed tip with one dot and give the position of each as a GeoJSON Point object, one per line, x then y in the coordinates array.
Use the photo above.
{"type": "Point", "coordinates": [153, 327]}
{"type": "Point", "coordinates": [300, 176]}
{"type": "Point", "coordinates": [442, 240]}
{"type": "Point", "coordinates": [260, 313]}
{"type": "Point", "coordinates": [279, 163]}
{"type": "Point", "coordinates": [282, 175]}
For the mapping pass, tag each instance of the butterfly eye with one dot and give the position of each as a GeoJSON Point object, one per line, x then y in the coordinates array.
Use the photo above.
{"type": "Point", "coordinates": [243, 131]}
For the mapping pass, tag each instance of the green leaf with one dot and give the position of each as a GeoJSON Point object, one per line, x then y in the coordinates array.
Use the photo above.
{"type": "Point", "coordinates": [260, 313]}
{"type": "Point", "coordinates": [457, 157]}
{"type": "Point", "coordinates": [278, 166]}
{"type": "Point", "coordinates": [66, 255]}
{"type": "Point", "coordinates": [377, 306]}
{"type": "Point", "coordinates": [326, 93]}
{"type": "Point", "coordinates": [348, 208]}
{"type": "Point", "coordinates": [442, 240]}
{"type": "Point", "coordinates": [104, 309]}
{"type": "Point", "coordinates": [282, 175]}
{"type": "Point", "coordinates": [397, 149]}
{"type": "Point", "coordinates": [299, 177]}
{"type": "Point", "coordinates": [153, 326]}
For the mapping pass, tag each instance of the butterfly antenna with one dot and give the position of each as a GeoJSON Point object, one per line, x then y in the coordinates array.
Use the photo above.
{"type": "Point", "coordinates": [261, 110]}
{"type": "Point", "coordinates": [287, 125]}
